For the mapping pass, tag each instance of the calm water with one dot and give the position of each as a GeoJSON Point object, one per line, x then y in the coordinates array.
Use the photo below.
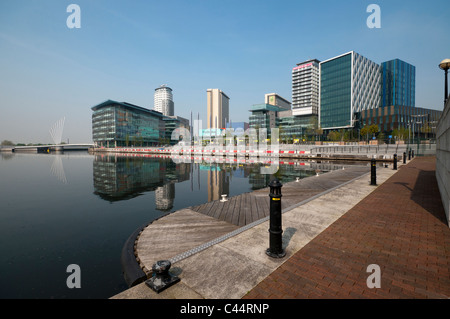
{"type": "Point", "coordinates": [77, 208]}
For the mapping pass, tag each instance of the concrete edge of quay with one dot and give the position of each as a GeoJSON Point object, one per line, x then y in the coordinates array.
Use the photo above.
{"type": "Point", "coordinates": [133, 271]}
{"type": "Point", "coordinates": [193, 287]}
{"type": "Point", "coordinates": [283, 155]}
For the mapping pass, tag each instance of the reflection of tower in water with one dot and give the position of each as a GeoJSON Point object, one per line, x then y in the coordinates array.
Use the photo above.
{"type": "Point", "coordinates": [218, 183]}
{"type": "Point", "coordinates": [164, 197]}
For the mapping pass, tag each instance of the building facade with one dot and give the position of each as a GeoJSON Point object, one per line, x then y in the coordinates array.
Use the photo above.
{"type": "Point", "coordinates": [264, 116]}
{"type": "Point", "coordinates": [275, 99]}
{"type": "Point", "coordinates": [305, 88]}
{"type": "Point", "coordinates": [349, 83]}
{"type": "Point", "coordinates": [170, 124]}
{"type": "Point", "coordinates": [123, 124]}
{"type": "Point", "coordinates": [399, 83]}
{"type": "Point", "coordinates": [119, 124]}
{"type": "Point", "coordinates": [421, 122]}
{"type": "Point", "coordinates": [294, 128]}
{"type": "Point", "coordinates": [163, 100]}
{"type": "Point", "coordinates": [217, 108]}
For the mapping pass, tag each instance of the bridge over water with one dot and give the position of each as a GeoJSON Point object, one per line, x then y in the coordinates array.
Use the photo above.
{"type": "Point", "coordinates": [48, 148]}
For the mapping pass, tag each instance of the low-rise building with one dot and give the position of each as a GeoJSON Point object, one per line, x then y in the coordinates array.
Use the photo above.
{"type": "Point", "coordinates": [119, 124]}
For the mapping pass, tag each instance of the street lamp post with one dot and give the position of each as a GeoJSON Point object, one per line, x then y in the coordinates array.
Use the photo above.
{"type": "Point", "coordinates": [445, 65]}
{"type": "Point", "coordinates": [409, 133]}
{"type": "Point", "coordinates": [415, 123]}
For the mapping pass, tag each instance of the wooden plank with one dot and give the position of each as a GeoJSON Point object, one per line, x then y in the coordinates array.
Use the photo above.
{"type": "Point", "coordinates": [198, 208]}
{"type": "Point", "coordinates": [254, 209]}
{"type": "Point", "coordinates": [266, 211]}
{"type": "Point", "coordinates": [233, 211]}
{"type": "Point", "coordinates": [228, 209]}
{"type": "Point", "coordinates": [206, 208]}
{"type": "Point", "coordinates": [260, 205]}
{"type": "Point", "coordinates": [243, 208]}
{"type": "Point", "coordinates": [237, 210]}
{"type": "Point", "coordinates": [224, 209]}
{"type": "Point", "coordinates": [216, 209]}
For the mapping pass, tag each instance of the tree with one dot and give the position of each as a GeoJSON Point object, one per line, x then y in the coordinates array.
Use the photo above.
{"type": "Point", "coordinates": [401, 133]}
{"type": "Point", "coordinates": [7, 143]}
{"type": "Point", "coordinates": [369, 130]}
{"type": "Point", "coordinates": [374, 129]}
{"type": "Point", "coordinates": [365, 132]}
{"type": "Point", "coordinates": [334, 136]}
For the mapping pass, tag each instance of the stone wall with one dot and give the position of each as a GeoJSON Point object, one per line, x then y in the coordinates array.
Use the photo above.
{"type": "Point", "coordinates": [443, 158]}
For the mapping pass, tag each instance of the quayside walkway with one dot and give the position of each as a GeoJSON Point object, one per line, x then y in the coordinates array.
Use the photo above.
{"type": "Point", "coordinates": [185, 232]}
{"type": "Point", "coordinates": [329, 239]}
{"type": "Point", "coordinates": [400, 226]}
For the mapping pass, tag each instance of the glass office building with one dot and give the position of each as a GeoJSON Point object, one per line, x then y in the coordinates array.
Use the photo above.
{"type": "Point", "coordinates": [349, 83]}
{"type": "Point", "coordinates": [392, 117]}
{"type": "Point", "coordinates": [123, 124]}
{"type": "Point", "coordinates": [170, 124]}
{"type": "Point", "coordinates": [264, 116]}
{"type": "Point", "coordinates": [295, 128]}
{"type": "Point", "coordinates": [399, 83]}
{"type": "Point", "coordinates": [335, 92]}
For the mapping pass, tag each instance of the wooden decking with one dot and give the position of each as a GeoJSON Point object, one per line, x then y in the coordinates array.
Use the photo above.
{"type": "Point", "coordinates": [181, 231]}
{"type": "Point", "coordinates": [246, 208]}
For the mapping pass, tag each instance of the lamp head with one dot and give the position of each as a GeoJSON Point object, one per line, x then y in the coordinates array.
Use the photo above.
{"type": "Point", "coordinates": [445, 64]}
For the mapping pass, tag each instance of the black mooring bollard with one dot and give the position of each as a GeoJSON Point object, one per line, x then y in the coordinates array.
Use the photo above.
{"type": "Point", "coordinates": [409, 155]}
{"type": "Point", "coordinates": [373, 172]}
{"type": "Point", "coordinates": [276, 244]}
{"type": "Point", "coordinates": [161, 278]}
{"type": "Point", "coordinates": [404, 157]}
{"type": "Point", "coordinates": [395, 161]}
{"type": "Point", "coordinates": [412, 153]}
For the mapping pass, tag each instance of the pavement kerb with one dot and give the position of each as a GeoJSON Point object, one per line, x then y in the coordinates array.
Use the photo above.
{"type": "Point", "coordinates": [213, 271]}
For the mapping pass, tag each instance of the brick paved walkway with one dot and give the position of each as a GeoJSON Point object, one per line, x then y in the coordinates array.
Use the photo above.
{"type": "Point", "coordinates": [400, 226]}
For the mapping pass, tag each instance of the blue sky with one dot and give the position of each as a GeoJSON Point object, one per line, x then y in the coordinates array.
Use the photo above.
{"type": "Point", "coordinates": [125, 49]}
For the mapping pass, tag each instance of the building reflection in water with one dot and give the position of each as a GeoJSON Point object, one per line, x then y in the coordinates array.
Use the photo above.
{"type": "Point", "coordinates": [119, 178]}
{"type": "Point", "coordinates": [218, 183]}
{"type": "Point", "coordinates": [122, 177]}
{"type": "Point", "coordinates": [164, 196]}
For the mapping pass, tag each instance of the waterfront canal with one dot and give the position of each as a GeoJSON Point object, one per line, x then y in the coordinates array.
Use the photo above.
{"type": "Point", "coordinates": [79, 208]}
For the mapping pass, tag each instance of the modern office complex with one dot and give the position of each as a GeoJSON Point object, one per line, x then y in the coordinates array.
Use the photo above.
{"type": "Point", "coordinates": [163, 100]}
{"type": "Point", "coordinates": [305, 88]}
{"type": "Point", "coordinates": [264, 116]}
{"type": "Point", "coordinates": [349, 83]}
{"type": "Point", "coordinates": [217, 108]}
{"type": "Point", "coordinates": [295, 122]}
{"type": "Point", "coordinates": [420, 121]}
{"type": "Point", "coordinates": [122, 124]}
{"type": "Point", "coordinates": [398, 83]}
{"type": "Point", "coordinates": [117, 124]}
{"type": "Point", "coordinates": [294, 128]}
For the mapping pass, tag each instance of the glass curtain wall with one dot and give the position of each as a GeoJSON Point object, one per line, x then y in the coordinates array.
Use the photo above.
{"type": "Point", "coordinates": [335, 92]}
{"type": "Point", "coordinates": [122, 125]}
{"type": "Point", "coordinates": [399, 79]}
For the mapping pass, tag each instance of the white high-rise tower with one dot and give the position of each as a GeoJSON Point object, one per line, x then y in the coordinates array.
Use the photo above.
{"type": "Point", "coordinates": [163, 101]}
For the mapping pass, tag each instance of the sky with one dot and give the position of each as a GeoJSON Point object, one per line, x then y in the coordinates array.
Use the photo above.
{"type": "Point", "coordinates": [123, 50]}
